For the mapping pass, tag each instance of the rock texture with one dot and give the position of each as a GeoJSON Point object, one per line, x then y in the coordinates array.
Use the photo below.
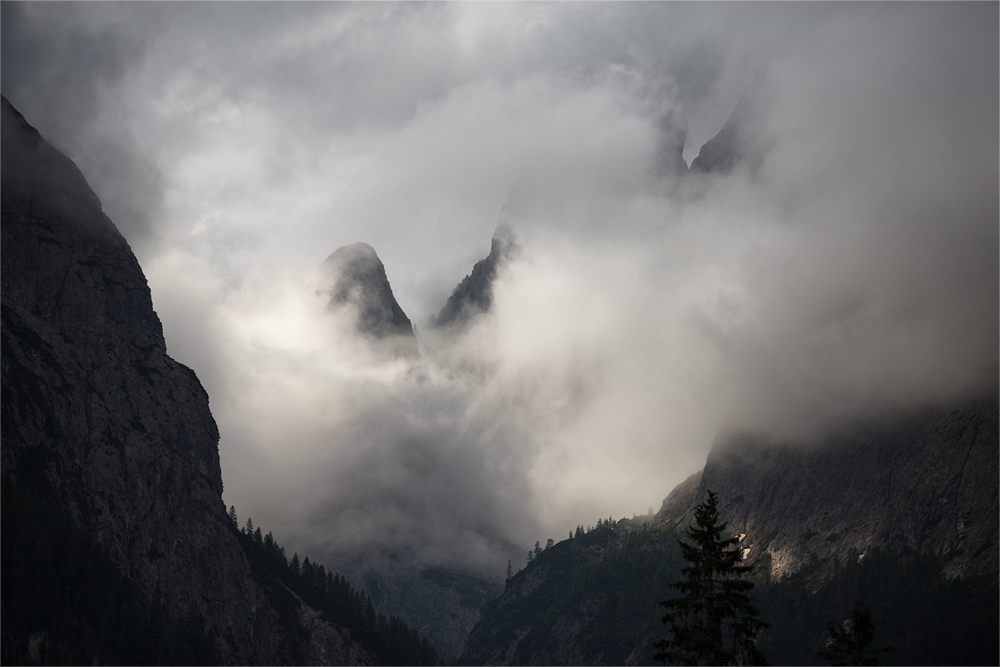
{"type": "Point", "coordinates": [353, 278]}
{"type": "Point", "coordinates": [740, 141]}
{"type": "Point", "coordinates": [925, 480]}
{"type": "Point", "coordinates": [474, 295]}
{"type": "Point", "coordinates": [328, 645]}
{"type": "Point", "coordinates": [94, 410]}
{"type": "Point", "coordinates": [442, 603]}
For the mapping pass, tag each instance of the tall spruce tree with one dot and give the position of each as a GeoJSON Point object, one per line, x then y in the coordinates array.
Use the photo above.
{"type": "Point", "coordinates": [713, 621]}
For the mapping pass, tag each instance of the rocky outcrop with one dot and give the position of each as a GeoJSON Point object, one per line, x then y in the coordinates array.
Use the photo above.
{"type": "Point", "coordinates": [97, 416]}
{"type": "Point", "coordinates": [353, 278]}
{"type": "Point", "coordinates": [474, 295]}
{"type": "Point", "coordinates": [328, 645]}
{"type": "Point", "coordinates": [924, 480]}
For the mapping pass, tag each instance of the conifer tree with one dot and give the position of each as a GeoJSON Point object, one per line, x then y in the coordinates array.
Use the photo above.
{"type": "Point", "coordinates": [510, 571]}
{"type": "Point", "coordinates": [850, 641]}
{"type": "Point", "coordinates": [713, 622]}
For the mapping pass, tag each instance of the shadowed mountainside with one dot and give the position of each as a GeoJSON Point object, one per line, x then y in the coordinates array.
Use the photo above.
{"type": "Point", "coordinates": [110, 454]}
{"type": "Point", "coordinates": [474, 295]}
{"type": "Point", "coordinates": [898, 513]}
{"type": "Point", "coordinates": [924, 480]}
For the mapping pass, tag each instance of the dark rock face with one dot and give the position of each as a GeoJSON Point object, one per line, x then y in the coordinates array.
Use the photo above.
{"type": "Point", "coordinates": [443, 603]}
{"type": "Point", "coordinates": [118, 433]}
{"type": "Point", "coordinates": [474, 295]}
{"type": "Point", "coordinates": [925, 480]}
{"type": "Point", "coordinates": [354, 276]}
{"type": "Point", "coordinates": [740, 141]}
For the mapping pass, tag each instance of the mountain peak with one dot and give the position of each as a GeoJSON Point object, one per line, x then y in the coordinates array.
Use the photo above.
{"type": "Point", "coordinates": [354, 276]}
{"type": "Point", "coordinates": [474, 295]}
{"type": "Point", "coordinates": [741, 140]}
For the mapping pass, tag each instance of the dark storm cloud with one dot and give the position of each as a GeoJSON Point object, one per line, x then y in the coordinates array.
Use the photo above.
{"type": "Point", "coordinates": [57, 71]}
{"type": "Point", "coordinates": [852, 269]}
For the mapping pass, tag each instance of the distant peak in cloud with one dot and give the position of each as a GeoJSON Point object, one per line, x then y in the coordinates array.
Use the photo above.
{"type": "Point", "coordinates": [474, 295]}
{"type": "Point", "coordinates": [739, 141]}
{"type": "Point", "coordinates": [353, 275]}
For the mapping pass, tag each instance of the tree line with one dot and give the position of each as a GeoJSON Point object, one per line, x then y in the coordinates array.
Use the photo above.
{"type": "Point", "coordinates": [389, 640]}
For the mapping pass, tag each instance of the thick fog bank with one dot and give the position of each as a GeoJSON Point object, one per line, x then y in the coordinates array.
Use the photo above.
{"type": "Point", "coordinates": [846, 264]}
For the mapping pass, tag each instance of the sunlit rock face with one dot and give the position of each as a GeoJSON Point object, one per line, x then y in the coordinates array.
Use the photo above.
{"type": "Point", "coordinates": [924, 480]}
{"type": "Point", "coordinates": [353, 279]}
{"type": "Point", "coordinates": [97, 416]}
{"type": "Point", "coordinates": [474, 295]}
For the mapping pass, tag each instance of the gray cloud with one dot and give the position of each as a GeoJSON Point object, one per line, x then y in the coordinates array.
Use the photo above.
{"type": "Point", "coordinates": [853, 270]}
{"type": "Point", "coordinates": [58, 68]}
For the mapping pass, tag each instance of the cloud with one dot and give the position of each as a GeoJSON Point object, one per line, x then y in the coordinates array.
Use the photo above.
{"type": "Point", "coordinates": [853, 270]}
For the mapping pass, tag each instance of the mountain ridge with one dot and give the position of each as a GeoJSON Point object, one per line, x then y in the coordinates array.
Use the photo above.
{"type": "Point", "coordinates": [816, 545]}
{"type": "Point", "coordinates": [117, 438]}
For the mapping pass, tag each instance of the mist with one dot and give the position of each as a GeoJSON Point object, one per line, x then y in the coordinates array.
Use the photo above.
{"type": "Point", "coordinates": [849, 269]}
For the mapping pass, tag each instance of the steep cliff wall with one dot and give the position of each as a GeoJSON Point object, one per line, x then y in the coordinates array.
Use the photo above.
{"type": "Point", "coordinates": [474, 294]}
{"type": "Point", "coordinates": [99, 418]}
{"type": "Point", "coordinates": [898, 513]}
{"type": "Point", "coordinates": [924, 480]}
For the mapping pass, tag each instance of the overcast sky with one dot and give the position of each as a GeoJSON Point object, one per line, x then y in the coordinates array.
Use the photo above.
{"type": "Point", "coordinates": [853, 269]}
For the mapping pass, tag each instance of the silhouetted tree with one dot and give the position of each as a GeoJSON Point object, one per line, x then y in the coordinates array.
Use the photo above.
{"type": "Point", "coordinates": [713, 622]}
{"type": "Point", "coordinates": [549, 543]}
{"type": "Point", "coordinates": [850, 641]}
{"type": "Point", "coordinates": [510, 571]}
{"type": "Point", "coordinates": [232, 516]}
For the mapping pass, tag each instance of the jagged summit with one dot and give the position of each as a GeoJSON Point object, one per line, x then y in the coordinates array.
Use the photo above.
{"type": "Point", "coordinates": [354, 276]}
{"type": "Point", "coordinates": [739, 141]}
{"type": "Point", "coordinates": [474, 295]}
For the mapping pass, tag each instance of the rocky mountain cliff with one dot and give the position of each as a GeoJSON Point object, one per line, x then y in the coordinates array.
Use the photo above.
{"type": "Point", "coordinates": [109, 430]}
{"type": "Point", "coordinates": [924, 480]}
{"type": "Point", "coordinates": [474, 295]}
{"type": "Point", "coordinates": [898, 513]}
{"type": "Point", "coordinates": [353, 277]}
{"type": "Point", "coordinates": [741, 140]}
